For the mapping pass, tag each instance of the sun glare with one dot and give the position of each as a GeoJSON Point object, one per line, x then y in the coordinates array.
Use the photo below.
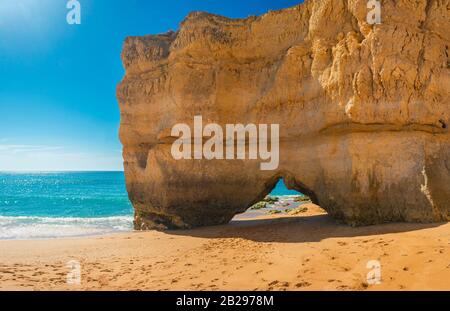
{"type": "Point", "coordinates": [18, 17]}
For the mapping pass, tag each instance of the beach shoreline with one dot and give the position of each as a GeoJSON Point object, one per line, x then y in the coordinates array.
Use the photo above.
{"type": "Point", "coordinates": [305, 251]}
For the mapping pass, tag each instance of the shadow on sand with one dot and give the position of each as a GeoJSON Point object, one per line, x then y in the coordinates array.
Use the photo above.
{"type": "Point", "coordinates": [297, 229]}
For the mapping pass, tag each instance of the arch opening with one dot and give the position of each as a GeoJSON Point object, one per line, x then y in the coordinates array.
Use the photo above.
{"type": "Point", "coordinates": [283, 196]}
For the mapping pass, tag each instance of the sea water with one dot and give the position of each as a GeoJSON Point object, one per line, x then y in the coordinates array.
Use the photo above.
{"type": "Point", "coordinates": [48, 205]}
{"type": "Point", "coordinates": [68, 204]}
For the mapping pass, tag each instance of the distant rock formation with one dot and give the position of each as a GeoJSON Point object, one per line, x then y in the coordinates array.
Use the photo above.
{"type": "Point", "coordinates": [363, 112]}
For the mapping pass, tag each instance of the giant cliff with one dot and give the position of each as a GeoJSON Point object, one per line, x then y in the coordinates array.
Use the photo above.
{"type": "Point", "coordinates": [363, 112]}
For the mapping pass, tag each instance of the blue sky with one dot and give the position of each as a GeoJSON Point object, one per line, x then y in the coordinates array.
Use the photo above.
{"type": "Point", "coordinates": [57, 81]}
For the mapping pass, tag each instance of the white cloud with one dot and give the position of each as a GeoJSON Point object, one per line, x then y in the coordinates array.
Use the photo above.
{"type": "Point", "coordinates": [55, 158]}
{"type": "Point", "coordinates": [15, 149]}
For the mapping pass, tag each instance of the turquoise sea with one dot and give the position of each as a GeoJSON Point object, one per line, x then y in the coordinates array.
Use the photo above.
{"type": "Point", "coordinates": [66, 204]}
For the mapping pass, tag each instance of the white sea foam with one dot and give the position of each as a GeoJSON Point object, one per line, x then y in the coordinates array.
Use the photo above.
{"type": "Point", "coordinates": [29, 227]}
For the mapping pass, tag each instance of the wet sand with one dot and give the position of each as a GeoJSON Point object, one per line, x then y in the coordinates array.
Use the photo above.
{"type": "Point", "coordinates": [285, 251]}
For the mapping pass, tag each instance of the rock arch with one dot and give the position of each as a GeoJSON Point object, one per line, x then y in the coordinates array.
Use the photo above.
{"type": "Point", "coordinates": [363, 112]}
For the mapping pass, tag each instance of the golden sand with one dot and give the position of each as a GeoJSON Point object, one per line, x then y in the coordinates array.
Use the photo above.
{"type": "Point", "coordinates": [307, 251]}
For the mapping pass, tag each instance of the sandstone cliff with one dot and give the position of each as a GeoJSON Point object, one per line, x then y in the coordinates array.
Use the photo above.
{"type": "Point", "coordinates": [363, 111]}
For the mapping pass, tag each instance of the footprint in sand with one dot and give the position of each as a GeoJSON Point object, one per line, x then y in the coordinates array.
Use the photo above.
{"type": "Point", "coordinates": [303, 284]}
{"type": "Point", "coordinates": [343, 287]}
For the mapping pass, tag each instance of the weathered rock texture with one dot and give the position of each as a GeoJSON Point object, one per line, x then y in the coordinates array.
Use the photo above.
{"type": "Point", "coordinates": [363, 111]}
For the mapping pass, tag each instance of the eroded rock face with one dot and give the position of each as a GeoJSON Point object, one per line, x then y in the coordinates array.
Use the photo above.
{"type": "Point", "coordinates": [363, 112]}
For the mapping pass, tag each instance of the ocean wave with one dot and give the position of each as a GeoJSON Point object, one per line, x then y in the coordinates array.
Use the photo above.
{"type": "Point", "coordinates": [33, 227]}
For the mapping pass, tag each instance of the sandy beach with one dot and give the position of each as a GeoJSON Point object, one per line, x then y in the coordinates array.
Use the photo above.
{"type": "Point", "coordinates": [307, 251]}
{"type": "Point", "coordinates": [225, 146]}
